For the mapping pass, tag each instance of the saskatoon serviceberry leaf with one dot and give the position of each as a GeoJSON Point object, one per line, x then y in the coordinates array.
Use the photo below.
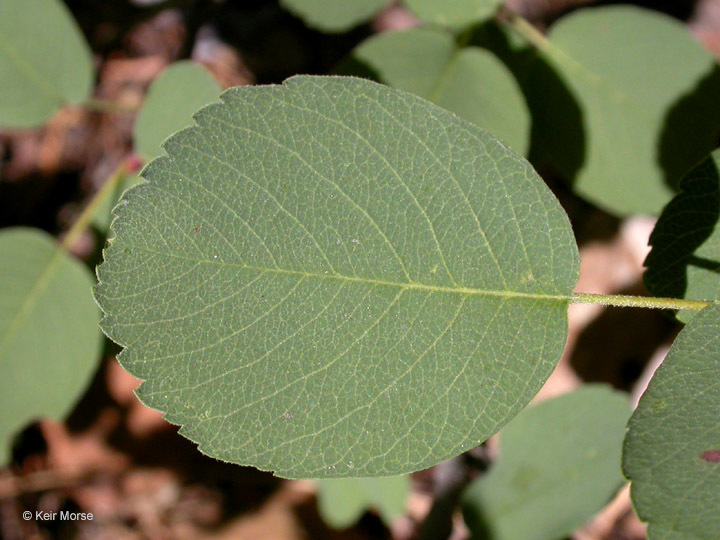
{"type": "Point", "coordinates": [343, 501]}
{"type": "Point", "coordinates": [559, 464]}
{"type": "Point", "coordinates": [469, 81]}
{"type": "Point", "coordinates": [49, 339]}
{"type": "Point", "coordinates": [454, 13]}
{"type": "Point", "coordinates": [334, 16]}
{"type": "Point", "coordinates": [45, 62]}
{"type": "Point", "coordinates": [171, 100]}
{"type": "Point", "coordinates": [672, 447]}
{"type": "Point", "coordinates": [333, 278]}
{"type": "Point", "coordinates": [685, 258]}
{"type": "Point", "coordinates": [643, 129]}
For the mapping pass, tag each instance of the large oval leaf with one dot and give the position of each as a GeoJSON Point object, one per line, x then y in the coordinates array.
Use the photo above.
{"type": "Point", "coordinates": [44, 61]}
{"type": "Point", "coordinates": [559, 464]}
{"type": "Point", "coordinates": [49, 340]}
{"type": "Point", "coordinates": [469, 81]}
{"type": "Point", "coordinates": [644, 129]}
{"type": "Point", "coordinates": [672, 447]}
{"type": "Point", "coordinates": [685, 256]}
{"type": "Point", "coordinates": [335, 278]}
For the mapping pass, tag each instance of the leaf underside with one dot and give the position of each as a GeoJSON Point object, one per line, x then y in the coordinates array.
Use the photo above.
{"type": "Point", "coordinates": [672, 448]}
{"type": "Point", "coordinates": [332, 278]}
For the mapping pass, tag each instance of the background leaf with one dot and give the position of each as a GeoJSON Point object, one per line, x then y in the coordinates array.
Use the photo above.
{"type": "Point", "coordinates": [685, 258]}
{"type": "Point", "coordinates": [335, 16]}
{"type": "Point", "coordinates": [453, 13]}
{"type": "Point", "coordinates": [672, 448]}
{"type": "Point", "coordinates": [171, 100]}
{"type": "Point", "coordinates": [101, 219]}
{"type": "Point", "coordinates": [44, 61]}
{"type": "Point", "coordinates": [559, 464]}
{"type": "Point", "coordinates": [343, 501]}
{"type": "Point", "coordinates": [644, 129]}
{"type": "Point", "coordinates": [334, 278]}
{"type": "Point", "coordinates": [468, 81]}
{"type": "Point", "coordinates": [49, 337]}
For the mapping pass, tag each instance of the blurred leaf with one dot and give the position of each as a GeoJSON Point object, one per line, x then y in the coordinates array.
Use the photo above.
{"type": "Point", "coordinates": [332, 278]}
{"type": "Point", "coordinates": [45, 62]}
{"type": "Point", "coordinates": [559, 464]}
{"type": "Point", "coordinates": [644, 127]}
{"type": "Point", "coordinates": [672, 448]}
{"type": "Point", "coordinates": [685, 257]}
{"type": "Point", "coordinates": [50, 342]}
{"type": "Point", "coordinates": [336, 15]}
{"type": "Point", "coordinates": [343, 501]}
{"type": "Point", "coordinates": [454, 13]}
{"type": "Point", "coordinates": [101, 219]}
{"type": "Point", "coordinates": [468, 81]}
{"type": "Point", "coordinates": [171, 100]}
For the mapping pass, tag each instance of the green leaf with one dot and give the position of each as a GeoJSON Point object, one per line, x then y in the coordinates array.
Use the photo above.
{"type": "Point", "coordinates": [45, 62]}
{"type": "Point", "coordinates": [332, 278]}
{"type": "Point", "coordinates": [343, 501]}
{"type": "Point", "coordinates": [672, 448]}
{"type": "Point", "coordinates": [49, 337]}
{"type": "Point", "coordinates": [469, 81]}
{"type": "Point", "coordinates": [171, 100]}
{"type": "Point", "coordinates": [454, 13]}
{"type": "Point", "coordinates": [334, 16]}
{"type": "Point", "coordinates": [685, 256]}
{"type": "Point", "coordinates": [559, 464]}
{"type": "Point", "coordinates": [643, 128]}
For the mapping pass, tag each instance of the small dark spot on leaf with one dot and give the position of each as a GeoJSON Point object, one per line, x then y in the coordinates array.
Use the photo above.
{"type": "Point", "coordinates": [711, 456]}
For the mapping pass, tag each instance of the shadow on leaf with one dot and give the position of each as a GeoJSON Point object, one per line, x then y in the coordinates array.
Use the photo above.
{"type": "Point", "coordinates": [684, 249]}
{"type": "Point", "coordinates": [691, 129]}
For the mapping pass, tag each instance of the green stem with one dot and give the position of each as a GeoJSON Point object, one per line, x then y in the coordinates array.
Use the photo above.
{"type": "Point", "coordinates": [620, 300]}
{"type": "Point", "coordinates": [521, 26]}
{"type": "Point", "coordinates": [85, 217]}
{"type": "Point", "coordinates": [104, 105]}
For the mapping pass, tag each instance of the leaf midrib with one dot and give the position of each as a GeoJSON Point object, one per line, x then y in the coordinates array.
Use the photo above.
{"type": "Point", "coordinates": [28, 305]}
{"type": "Point", "coordinates": [414, 285]}
{"type": "Point", "coordinates": [32, 74]}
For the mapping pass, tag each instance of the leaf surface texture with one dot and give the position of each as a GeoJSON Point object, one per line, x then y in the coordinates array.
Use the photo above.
{"type": "Point", "coordinates": [672, 448]}
{"type": "Point", "coordinates": [333, 278]}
